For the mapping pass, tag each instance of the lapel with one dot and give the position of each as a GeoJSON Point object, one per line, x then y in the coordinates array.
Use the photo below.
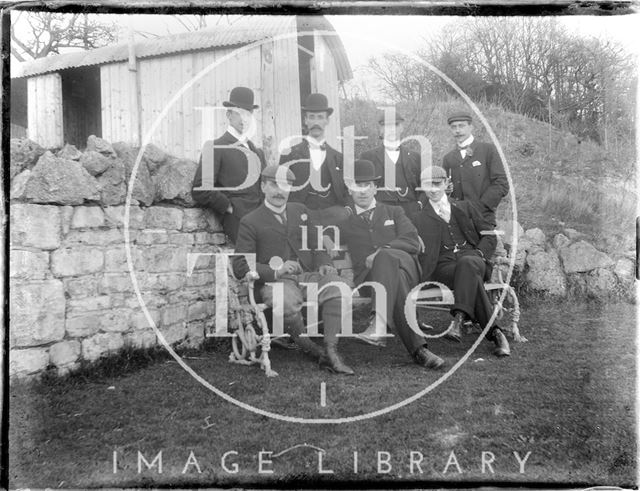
{"type": "Point", "coordinates": [379, 216]}
{"type": "Point", "coordinates": [330, 162]}
{"type": "Point", "coordinates": [428, 209]}
{"type": "Point", "coordinates": [464, 224]}
{"type": "Point", "coordinates": [269, 219]}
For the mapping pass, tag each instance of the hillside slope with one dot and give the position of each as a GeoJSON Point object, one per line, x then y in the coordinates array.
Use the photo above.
{"type": "Point", "coordinates": [558, 181]}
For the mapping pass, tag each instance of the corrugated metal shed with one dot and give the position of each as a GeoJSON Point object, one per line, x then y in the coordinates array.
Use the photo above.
{"type": "Point", "coordinates": [242, 31]}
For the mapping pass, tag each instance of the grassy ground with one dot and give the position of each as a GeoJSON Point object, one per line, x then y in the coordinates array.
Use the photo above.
{"type": "Point", "coordinates": [567, 396]}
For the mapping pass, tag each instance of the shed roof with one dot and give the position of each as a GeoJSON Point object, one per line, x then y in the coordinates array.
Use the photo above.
{"type": "Point", "coordinates": [241, 31]}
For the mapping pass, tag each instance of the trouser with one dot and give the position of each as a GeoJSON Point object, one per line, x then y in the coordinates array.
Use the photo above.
{"type": "Point", "coordinates": [293, 299]}
{"type": "Point", "coordinates": [397, 272]}
{"type": "Point", "coordinates": [465, 277]}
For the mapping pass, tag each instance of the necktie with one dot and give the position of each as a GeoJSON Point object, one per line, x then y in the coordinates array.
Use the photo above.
{"type": "Point", "coordinates": [366, 215]}
{"type": "Point", "coordinates": [282, 218]}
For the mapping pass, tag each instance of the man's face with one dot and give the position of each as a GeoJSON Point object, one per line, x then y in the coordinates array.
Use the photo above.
{"type": "Point", "coordinates": [363, 193]}
{"type": "Point", "coordinates": [240, 119]}
{"type": "Point", "coordinates": [316, 123]}
{"type": "Point", "coordinates": [275, 193]}
{"type": "Point", "coordinates": [392, 131]}
{"type": "Point", "coordinates": [435, 189]}
{"type": "Point", "coordinates": [461, 130]}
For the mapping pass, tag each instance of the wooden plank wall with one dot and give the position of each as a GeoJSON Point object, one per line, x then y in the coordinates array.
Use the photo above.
{"type": "Point", "coordinates": [45, 110]}
{"type": "Point", "coordinates": [119, 104]}
{"type": "Point", "coordinates": [326, 80]}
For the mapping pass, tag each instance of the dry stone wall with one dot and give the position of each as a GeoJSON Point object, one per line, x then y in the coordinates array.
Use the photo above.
{"type": "Point", "coordinates": [72, 297]}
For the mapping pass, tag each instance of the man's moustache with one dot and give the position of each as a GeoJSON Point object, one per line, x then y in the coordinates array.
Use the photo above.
{"type": "Point", "coordinates": [315, 127]}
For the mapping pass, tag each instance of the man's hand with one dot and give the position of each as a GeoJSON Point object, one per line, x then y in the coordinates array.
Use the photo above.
{"type": "Point", "coordinates": [368, 262]}
{"type": "Point", "coordinates": [449, 189]}
{"type": "Point", "coordinates": [230, 208]}
{"type": "Point", "coordinates": [251, 276]}
{"type": "Point", "coordinates": [327, 269]}
{"type": "Point", "coordinates": [289, 267]}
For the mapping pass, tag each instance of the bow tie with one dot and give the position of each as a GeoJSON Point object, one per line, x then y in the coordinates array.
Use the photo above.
{"type": "Point", "coordinates": [392, 149]}
{"type": "Point", "coordinates": [318, 147]}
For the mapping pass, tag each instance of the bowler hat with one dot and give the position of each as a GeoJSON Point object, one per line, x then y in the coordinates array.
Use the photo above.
{"type": "Point", "coordinates": [316, 103]}
{"type": "Point", "coordinates": [241, 97]}
{"type": "Point", "coordinates": [381, 115]}
{"type": "Point", "coordinates": [364, 171]}
{"type": "Point", "coordinates": [278, 173]}
{"type": "Point", "coordinates": [459, 116]}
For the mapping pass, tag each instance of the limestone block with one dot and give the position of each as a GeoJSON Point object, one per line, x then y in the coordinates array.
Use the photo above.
{"type": "Point", "coordinates": [560, 241]}
{"type": "Point", "coordinates": [209, 238]}
{"type": "Point", "coordinates": [64, 353]}
{"type": "Point", "coordinates": [82, 305]}
{"type": "Point", "coordinates": [113, 183]}
{"type": "Point", "coordinates": [76, 261]}
{"type": "Point", "coordinates": [36, 312]}
{"type": "Point", "coordinates": [154, 157]}
{"type": "Point", "coordinates": [28, 265]}
{"type": "Point", "coordinates": [83, 325]}
{"type": "Point", "coordinates": [138, 320]}
{"type": "Point", "coordinates": [60, 181]}
{"type": "Point", "coordinates": [141, 339]}
{"type": "Point", "coordinates": [115, 259]}
{"type": "Point", "coordinates": [200, 279]}
{"type": "Point", "coordinates": [195, 334]}
{"type": "Point", "coordinates": [19, 184]}
{"type": "Point", "coordinates": [173, 314]}
{"type": "Point", "coordinates": [160, 259]}
{"type": "Point", "coordinates": [117, 282]}
{"type": "Point", "coordinates": [96, 237]}
{"type": "Point", "coordinates": [94, 162]}
{"type": "Point", "coordinates": [24, 362]}
{"type": "Point", "coordinates": [152, 237]}
{"type": "Point", "coordinates": [24, 154]}
{"type": "Point", "coordinates": [66, 212]}
{"type": "Point", "coordinates": [194, 220]}
{"type": "Point", "coordinates": [573, 234]}
{"type": "Point", "coordinates": [181, 239]}
{"type": "Point", "coordinates": [200, 310]}
{"type": "Point", "coordinates": [35, 226]}
{"type": "Point", "coordinates": [173, 182]}
{"type": "Point", "coordinates": [166, 282]}
{"type": "Point", "coordinates": [101, 344]}
{"type": "Point", "coordinates": [601, 283]}
{"type": "Point", "coordinates": [536, 236]}
{"type": "Point", "coordinates": [115, 320]}
{"type": "Point", "coordinates": [583, 257]}
{"type": "Point", "coordinates": [545, 273]}
{"type": "Point", "coordinates": [115, 216]}
{"type": "Point", "coordinates": [97, 144]}
{"type": "Point", "coordinates": [625, 269]}
{"type": "Point", "coordinates": [87, 217]}
{"type": "Point", "coordinates": [84, 286]}
{"type": "Point", "coordinates": [174, 333]}
{"type": "Point", "coordinates": [163, 217]}
{"type": "Point", "coordinates": [69, 152]}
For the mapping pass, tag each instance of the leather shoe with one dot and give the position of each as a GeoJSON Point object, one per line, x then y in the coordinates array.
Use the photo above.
{"type": "Point", "coordinates": [369, 334]}
{"type": "Point", "coordinates": [502, 345]}
{"type": "Point", "coordinates": [332, 362]}
{"type": "Point", "coordinates": [427, 359]}
{"type": "Point", "coordinates": [454, 333]}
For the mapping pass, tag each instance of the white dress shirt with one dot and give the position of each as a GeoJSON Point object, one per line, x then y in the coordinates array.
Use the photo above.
{"type": "Point", "coordinates": [359, 210]}
{"type": "Point", "coordinates": [465, 143]}
{"type": "Point", "coordinates": [392, 150]}
{"type": "Point", "coordinates": [241, 138]}
{"type": "Point", "coordinates": [316, 154]}
{"type": "Point", "coordinates": [442, 207]}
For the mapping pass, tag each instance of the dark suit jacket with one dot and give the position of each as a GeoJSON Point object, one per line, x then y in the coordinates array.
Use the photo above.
{"type": "Point", "coordinates": [432, 228]}
{"type": "Point", "coordinates": [485, 184]}
{"type": "Point", "coordinates": [333, 162]}
{"type": "Point", "coordinates": [390, 228]}
{"type": "Point", "coordinates": [230, 168]}
{"type": "Point", "coordinates": [408, 167]}
{"type": "Point", "coordinates": [261, 233]}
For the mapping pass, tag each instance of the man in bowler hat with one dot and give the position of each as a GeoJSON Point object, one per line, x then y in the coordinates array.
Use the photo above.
{"type": "Point", "coordinates": [383, 244]}
{"type": "Point", "coordinates": [315, 162]}
{"type": "Point", "coordinates": [234, 160]}
{"type": "Point", "coordinates": [458, 242]}
{"type": "Point", "coordinates": [404, 162]}
{"type": "Point", "coordinates": [273, 232]}
{"type": "Point", "coordinates": [475, 168]}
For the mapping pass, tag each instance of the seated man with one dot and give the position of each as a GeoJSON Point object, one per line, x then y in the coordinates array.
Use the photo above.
{"type": "Point", "coordinates": [383, 244]}
{"type": "Point", "coordinates": [273, 232]}
{"type": "Point", "coordinates": [456, 254]}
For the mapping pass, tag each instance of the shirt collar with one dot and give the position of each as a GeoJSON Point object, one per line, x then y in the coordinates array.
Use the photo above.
{"type": "Point", "coordinates": [277, 211]}
{"type": "Point", "coordinates": [390, 146]}
{"type": "Point", "coordinates": [234, 133]}
{"type": "Point", "coordinates": [362, 210]}
{"type": "Point", "coordinates": [467, 142]}
{"type": "Point", "coordinates": [313, 143]}
{"type": "Point", "coordinates": [444, 201]}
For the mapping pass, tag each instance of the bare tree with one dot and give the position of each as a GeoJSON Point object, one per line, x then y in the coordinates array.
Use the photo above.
{"type": "Point", "coordinates": [39, 34]}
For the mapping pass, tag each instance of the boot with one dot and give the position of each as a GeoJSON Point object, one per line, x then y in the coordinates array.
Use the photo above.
{"type": "Point", "coordinates": [427, 359]}
{"type": "Point", "coordinates": [500, 340]}
{"type": "Point", "coordinates": [332, 362]}
{"type": "Point", "coordinates": [295, 328]}
{"type": "Point", "coordinates": [454, 333]}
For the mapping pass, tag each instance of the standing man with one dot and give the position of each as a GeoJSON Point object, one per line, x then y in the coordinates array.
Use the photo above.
{"type": "Point", "coordinates": [273, 232]}
{"type": "Point", "coordinates": [458, 243]}
{"type": "Point", "coordinates": [314, 162]}
{"type": "Point", "coordinates": [405, 162]}
{"type": "Point", "coordinates": [383, 244]}
{"type": "Point", "coordinates": [231, 161]}
{"type": "Point", "coordinates": [475, 168]}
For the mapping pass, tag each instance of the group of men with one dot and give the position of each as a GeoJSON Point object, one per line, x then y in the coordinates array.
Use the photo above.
{"type": "Point", "coordinates": [396, 236]}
